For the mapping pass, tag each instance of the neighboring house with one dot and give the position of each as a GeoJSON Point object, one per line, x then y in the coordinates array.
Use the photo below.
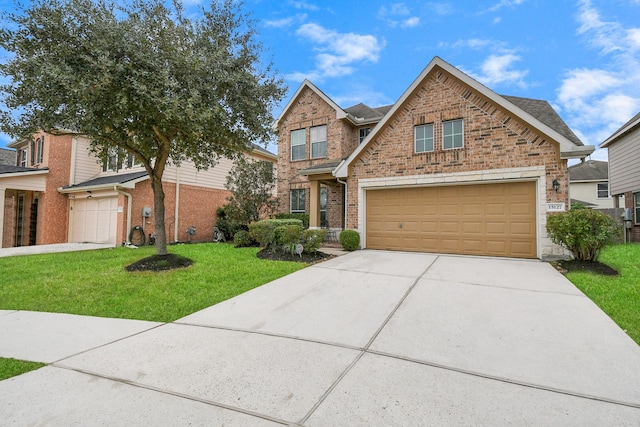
{"type": "Point", "coordinates": [451, 167]}
{"type": "Point", "coordinates": [589, 184]}
{"type": "Point", "coordinates": [624, 169]}
{"type": "Point", "coordinates": [58, 192]}
{"type": "Point", "coordinates": [7, 157]}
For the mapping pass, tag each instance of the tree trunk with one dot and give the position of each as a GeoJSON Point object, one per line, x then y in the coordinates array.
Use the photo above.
{"type": "Point", "coordinates": [158, 203]}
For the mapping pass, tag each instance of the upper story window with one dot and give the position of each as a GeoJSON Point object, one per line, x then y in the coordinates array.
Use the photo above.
{"type": "Point", "coordinates": [603, 190]}
{"type": "Point", "coordinates": [32, 148]}
{"type": "Point", "coordinates": [452, 134]}
{"type": "Point", "coordinates": [118, 159]}
{"type": "Point", "coordinates": [40, 149]}
{"type": "Point", "coordinates": [319, 141]}
{"type": "Point", "coordinates": [423, 138]}
{"type": "Point", "coordinates": [22, 157]}
{"type": "Point", "coordinates": [298, 144]}
{"type": "Point", "coordinates": [636, 206]}
{"type": "Point", "coordinates": [362, 134]}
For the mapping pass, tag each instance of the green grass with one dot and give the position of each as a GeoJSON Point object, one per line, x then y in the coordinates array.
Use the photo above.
{"type": "Point", "coordinates": [95, 283]}
{"type": "Point", "coordinates": [12, 367]}
{"type": "Point", "coordinates": [618, 296]}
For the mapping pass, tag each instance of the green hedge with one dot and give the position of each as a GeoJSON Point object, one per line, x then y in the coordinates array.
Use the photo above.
{"type": "Point", "coordinates": [301, 216]}
{"type": "Point", "coordinates": [263, 231]}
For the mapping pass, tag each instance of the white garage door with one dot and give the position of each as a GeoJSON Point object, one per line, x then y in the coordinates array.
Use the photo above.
{"type": "Point", "coordinates": [94, 220]}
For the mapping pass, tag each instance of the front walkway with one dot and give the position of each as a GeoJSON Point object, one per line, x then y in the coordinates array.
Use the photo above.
{"type": "Point", "coordinates": [58, 247]}
{"type": "Point", "coordinates": [369, 338]}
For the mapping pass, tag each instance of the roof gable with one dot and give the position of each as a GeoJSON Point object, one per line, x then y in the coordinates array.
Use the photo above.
{"type": "Point", "coordinates": [306, 84]}
{"type": "Point", "coordinates": [570, 145]}
{"type": "Point", "coordinates": [632, 124]}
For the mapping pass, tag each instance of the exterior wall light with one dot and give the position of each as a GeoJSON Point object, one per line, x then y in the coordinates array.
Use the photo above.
{"type": "Point", "coordinates": [556, 185]}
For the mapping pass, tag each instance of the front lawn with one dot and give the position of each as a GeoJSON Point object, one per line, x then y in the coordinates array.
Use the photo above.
{"type": "Point", "coordinates": [12, 367]}
{"type": "Point", "coordinates": [95, 283]}
{"type": "Point", "coordinates": [618, 296]}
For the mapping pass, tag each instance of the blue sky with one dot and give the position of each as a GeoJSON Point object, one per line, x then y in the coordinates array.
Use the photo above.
{"type": "Point", "coordinates": [583, 56]}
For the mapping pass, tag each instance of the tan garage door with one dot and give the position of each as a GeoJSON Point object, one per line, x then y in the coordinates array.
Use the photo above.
{"type": "Point", "coordinates": [480, 219]}
{"type": "Point", "coordinates": [94, 220]}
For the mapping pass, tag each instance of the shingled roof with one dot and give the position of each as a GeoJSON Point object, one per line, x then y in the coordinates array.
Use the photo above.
{"type": "Point", "coordinates": [108, 180]}
{"type": "Point", "coordinates": [544, 112]}
{"type": "Point", "coordinates": [591, 170]}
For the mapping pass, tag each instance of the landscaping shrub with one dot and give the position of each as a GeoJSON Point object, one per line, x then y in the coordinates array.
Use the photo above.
{"type": "Point", "coordinates": [350, 240]}
{"type": "Point", "coordinates": [285, 235]}
{"type": "Point", "coordinates": [226, 224]}
{"type": "Point", "coordinates": [263, 231]}
{"type": "Point", "coordinates": [313, 239]}
{"type": "Point", "coordinates": [301, 216]}
{"type": "Point", "coordinates": [584, 232]}
{"type": "Point", "coordinates": [242, 239]}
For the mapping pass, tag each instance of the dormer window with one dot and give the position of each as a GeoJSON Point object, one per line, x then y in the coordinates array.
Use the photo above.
{"type": "Point", "coordinates": [363, 132]}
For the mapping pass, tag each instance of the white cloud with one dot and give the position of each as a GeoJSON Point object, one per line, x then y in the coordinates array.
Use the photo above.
{"type": "Point", "coordinates": [397, 14]}
{"type": "Point", "coordinates": [303, 5]}
{"type": "Point", "coordinates": [472, 44]}
{"type": "Point", "coordinates": [597, 101]}
{"type": "Point", "coordinates": [498, 69]}
{"type": "Point", "coordinates": [338, 53]}
{"type": "Point", "coordinates": [505, 3]}
{"type": "Point", "coordinates": [285, 22]}
{"type": "Point", "coordinates": [442, 9]}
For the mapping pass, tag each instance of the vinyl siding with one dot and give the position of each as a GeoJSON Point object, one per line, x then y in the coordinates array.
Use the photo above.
{"type": "Point", "coordinates": [87, 165]}
{"type": "Point", "coordinates": [588, 192]}
{"type": "Point", "coordinates": [624, 164]}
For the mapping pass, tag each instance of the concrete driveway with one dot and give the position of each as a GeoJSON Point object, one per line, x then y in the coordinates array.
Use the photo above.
{"type": "Point", "coordinates": [371, 338]}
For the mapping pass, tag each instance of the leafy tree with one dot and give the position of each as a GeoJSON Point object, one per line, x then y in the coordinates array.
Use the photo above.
{"type": "Point", "coordinates": [142, 77]}
{"type": "Point", "coordinates": [584, 232]}
{"type": "Point", "coordinates": [252, 184]}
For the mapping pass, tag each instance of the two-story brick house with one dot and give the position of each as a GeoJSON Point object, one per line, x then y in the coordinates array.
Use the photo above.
{"type": "Point", "coordinates": [59, 192]}
{"type": "Point", "coordinates": [451, 167]}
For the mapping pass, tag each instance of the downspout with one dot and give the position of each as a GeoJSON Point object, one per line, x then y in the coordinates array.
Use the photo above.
{"type": "Point", "coordinates": [74, 155]}
{"type": "Point", "coordinates": [129, 203]}
{"type": "Point", "coordinates": [177, 210]}
{"type": "Point", "coordinates": [346, 195]}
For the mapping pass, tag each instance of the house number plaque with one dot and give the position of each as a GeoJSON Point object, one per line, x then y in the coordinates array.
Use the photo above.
{"type": "Point", "coordinates": [555, 207]}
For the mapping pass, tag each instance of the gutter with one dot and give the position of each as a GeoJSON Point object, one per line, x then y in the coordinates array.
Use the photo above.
{"type": "Point", "coordinates": [129, 205]}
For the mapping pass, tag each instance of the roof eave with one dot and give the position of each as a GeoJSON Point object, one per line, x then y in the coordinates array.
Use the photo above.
{"type": "Point", "coordinates": [307, 172]}
{"type": "Point", "coordinates": [25, 173]}
{"type": "Point", "coordinates": [109, 186]}
{"type": "Point", "coordinates": [613, 138]}
{"type": "Point", "coordinates": [577, 152]}
{"type": "Point", "coordinates": [340, 113]}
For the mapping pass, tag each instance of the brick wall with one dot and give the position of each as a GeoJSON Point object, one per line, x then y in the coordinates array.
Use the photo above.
{"type": "Point", "coordinates": [197, 207]}
{"type": "Point", "coordinates": [492, 140]}
{"type": "Point", "coordinates": [635, 229]}
{"type": "Point", "coordinates": [310, 110]}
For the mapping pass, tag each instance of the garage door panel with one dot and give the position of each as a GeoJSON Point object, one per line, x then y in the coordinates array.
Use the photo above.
{"type": "Point", "coordinates": [94, 220]}
{"type": "Point", "coordinates": [483, 219]}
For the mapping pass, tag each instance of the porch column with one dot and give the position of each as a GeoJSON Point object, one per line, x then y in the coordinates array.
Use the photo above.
{"type": "Point", "coordinates": [2, 191]}
{"type": "Point", "coordinates": [314, 205]}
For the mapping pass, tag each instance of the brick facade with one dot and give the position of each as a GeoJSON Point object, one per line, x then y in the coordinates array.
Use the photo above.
{"type": "Point", "coordinates": [635, 229]}
{"type": "Point", "coordinates": [499, 145]}
{"type": "Point", "coordinates": [493, 139]}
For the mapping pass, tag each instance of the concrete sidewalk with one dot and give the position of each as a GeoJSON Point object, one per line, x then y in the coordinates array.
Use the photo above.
{"type": "Point", "coordinates": [58, 247]}
{"type": "Point", "coordinates": [369, 338]}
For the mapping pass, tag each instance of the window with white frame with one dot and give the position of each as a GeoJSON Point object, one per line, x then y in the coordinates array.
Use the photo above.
{"type": "Point", "coordinates": [32, 149]}
{"type": "Point", "coordinates": [362, 134]}
{"type": "Point", "coordinates": [423, 138]}
{"type": "Point", "coordinates": [603, 190]}
{"type": "Point", "coordinates": [319, 141]}
{"type": "Point", "coordinates": [452, 134]}
{"type": "Point", "coordinates": [22, 156]}
{"type": "Point", "coordinates": [298, 144]}
{"type": "Point", "coordinates": [636, 206]}
{"type": "Point", "coordinates": [297, 201]}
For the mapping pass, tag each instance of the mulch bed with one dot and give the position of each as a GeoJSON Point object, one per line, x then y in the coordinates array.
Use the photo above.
{"type": "Point", "coordinates": [592, 266]}
{"type": "Point", "coordinates": [160, 263]}
{"type": "Point", "coordinates": [278, 255]}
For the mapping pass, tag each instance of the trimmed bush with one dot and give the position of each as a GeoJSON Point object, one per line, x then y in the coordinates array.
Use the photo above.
{"type": "Point", "coordinates": [350, 240]}
{"type": "Point", "coordinates": [584, 232]}
{"type": "Point", "coordinates": [301, 216]}
{"type": "Point", "coordinates": [242, 239]}
{"type": "Point", "coordinates": [313, 239]}
{"type": "Point", "coordinates": [263, 231]}
{"type": "Point", "coordinates": [285, 235]}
